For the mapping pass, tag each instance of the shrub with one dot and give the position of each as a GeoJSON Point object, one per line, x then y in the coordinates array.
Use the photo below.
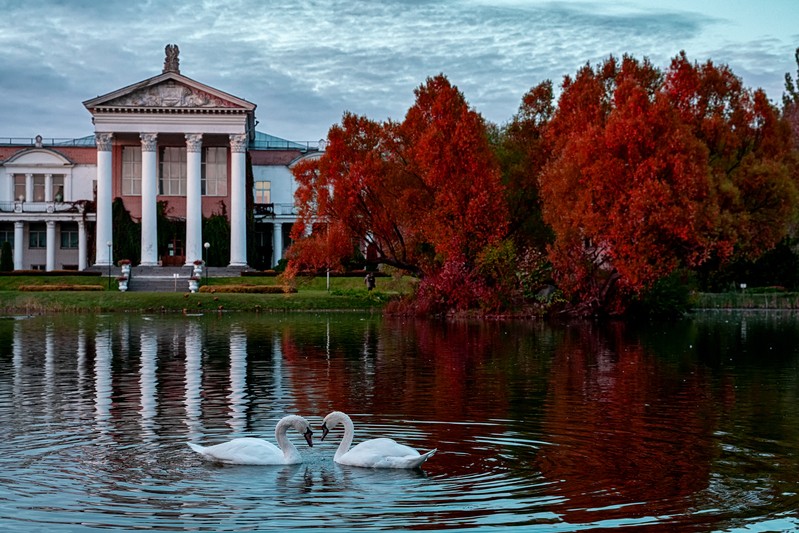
{"type": "Point", "coordinates": [248, 289]}
{"type": "Point", "coordinates": [64, 287]}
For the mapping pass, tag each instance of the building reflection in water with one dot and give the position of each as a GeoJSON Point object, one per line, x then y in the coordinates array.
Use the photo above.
{"type": "Point", "coordinates": [18, 363]}
{"type": "Point", "coordinates": [102, 380]}
{"type": "Point", "coordinates": [237, 399]}
{"type": "Point", "coordinates": [148, 366]}
{"type": "Point", "coordinates": [49, 365]}
{"type": "Point", "coordinates": [193, 381]}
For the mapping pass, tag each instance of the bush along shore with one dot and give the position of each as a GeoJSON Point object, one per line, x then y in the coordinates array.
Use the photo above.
{"type": "Point", "coordinates": [747, 300]}
{"type": "Point", "coordinates": [55, 293]}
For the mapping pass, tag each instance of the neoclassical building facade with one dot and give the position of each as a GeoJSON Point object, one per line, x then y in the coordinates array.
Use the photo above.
{"type": "Point", "coordinates": [169, 140]}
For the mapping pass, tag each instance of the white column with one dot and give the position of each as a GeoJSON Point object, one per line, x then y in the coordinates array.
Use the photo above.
{"type": "Point", "coordinates": [50, 253]}
{"type": "Point", "coordinates": [149, 194]}
{"type": "Point", "coordinates": [28, 187]}
{"type": "Point", "coordinates": [48, 187]}
{"type": "Point", "coordinates": [238, 203]}
{"type": "Point", "coordinates": [82, 263]}
{"type": "Point", "coordinates": [19, 232]}
{"type": "Point", "coordinates": [194, 199]}
{"type": "Point", "coordinates": [277, 242]}
{"type": "Point", "coordinates": [104, 190]}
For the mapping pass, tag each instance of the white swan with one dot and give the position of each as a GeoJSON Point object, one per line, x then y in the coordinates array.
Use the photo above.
{"type": "Point", "coordinates": [374, 453]}
{"type": "Point", "coordinates": [251, 451]}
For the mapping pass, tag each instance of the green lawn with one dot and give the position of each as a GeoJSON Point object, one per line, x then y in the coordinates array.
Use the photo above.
{"type": "Point", "coordinates": [312, 294]}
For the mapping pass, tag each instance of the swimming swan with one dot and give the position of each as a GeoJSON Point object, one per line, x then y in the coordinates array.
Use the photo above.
{"type": "Point", "coordinates": [374, 453]}
{"type": "Point", "coordinates": [251, 451]}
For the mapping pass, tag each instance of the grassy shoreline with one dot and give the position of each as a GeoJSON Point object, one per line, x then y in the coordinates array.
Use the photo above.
{"type": "Point", "coordinates": [313, 294]}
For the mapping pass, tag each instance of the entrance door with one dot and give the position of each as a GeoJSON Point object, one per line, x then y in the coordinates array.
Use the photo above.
{"type": "Point", "coordinates": [262, 246]}
{"type": "Point", "coordinates": [175, 255]}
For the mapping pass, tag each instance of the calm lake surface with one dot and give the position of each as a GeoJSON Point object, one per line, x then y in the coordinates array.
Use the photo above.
{"type": "Point", "coordinates": [688, 426]}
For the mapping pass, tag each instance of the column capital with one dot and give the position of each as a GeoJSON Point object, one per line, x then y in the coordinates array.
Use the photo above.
{"type": "Point", "coordinates": [194, 142]}
{"type": "Point", "coordinates": [149, 142]}
{"type": "Point", "coordinates": [238, 143]}
{"type": "Point", "coordinates": [103, 141]}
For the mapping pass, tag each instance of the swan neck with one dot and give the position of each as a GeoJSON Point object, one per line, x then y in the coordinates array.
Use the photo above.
{"type": "Point", "coordinates": [283, 442]}
{"type": "Point", "coordinates": [346, 441]}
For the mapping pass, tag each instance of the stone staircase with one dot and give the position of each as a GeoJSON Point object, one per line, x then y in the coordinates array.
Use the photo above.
{"type": "Point", "coordinates": [166, 279]}
{"type": "Point", "coordinates": [159, 279]}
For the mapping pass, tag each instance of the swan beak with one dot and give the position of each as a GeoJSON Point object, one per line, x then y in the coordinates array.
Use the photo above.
{"type": "Point", "coordinates": [325, 431]}
{"type": "Point", "coordinates": [308, 437]}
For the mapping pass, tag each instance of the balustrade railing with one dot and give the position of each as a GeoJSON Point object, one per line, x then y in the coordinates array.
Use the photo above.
{"type": "Point", "coordinates": [41, 207]}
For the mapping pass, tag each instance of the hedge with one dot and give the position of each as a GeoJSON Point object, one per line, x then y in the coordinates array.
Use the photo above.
{"type": "Point", "coordinates": [42, 288]}
{"type": "Point", "coordinates": [260, 289]}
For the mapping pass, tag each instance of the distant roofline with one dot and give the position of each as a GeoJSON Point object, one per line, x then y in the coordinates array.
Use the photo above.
{"type": "Point", "coordinates": [262, 141]}
{"type": "Point", "coordinates": [87, 142]}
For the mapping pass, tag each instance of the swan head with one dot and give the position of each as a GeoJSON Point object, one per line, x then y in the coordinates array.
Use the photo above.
{"type": "Point", "coordinates": [331, 421]}
{"type": "Point", "coordinates": [308, 436]}
{"type": "Point", "coordinates": [299, 423]}
{"type": "Point", "coordinates": [304, 428]}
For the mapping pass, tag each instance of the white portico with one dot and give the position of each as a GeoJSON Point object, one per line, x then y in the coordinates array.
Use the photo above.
{"type": "Point", "coordinates": [171, 139]}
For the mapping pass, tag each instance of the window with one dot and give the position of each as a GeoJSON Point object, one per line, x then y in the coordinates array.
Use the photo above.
{"type": "Point", "coordinates": [19, 186]}
{"type": "Point", "coordinates": [37, 236]}
{"type": "Point", "coordinates": [263, 192]}
{"type": "Point", "coordinates": [214, 171]}
{"type": "Point", "coordinates": [58, 188]}
{"type": "Point", "coordinates": [173, 171]}
{"type": "Point", "coordinates": [7, 234]}
{"type": "Point", "coordinates": [38, 187]}
{"type": "Point", "coordinates": [131, 170]}
{"type": "Point", "coordinates": [69, 235]}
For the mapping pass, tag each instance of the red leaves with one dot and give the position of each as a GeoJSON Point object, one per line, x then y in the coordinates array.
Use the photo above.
{"type": "Point", "coordinates": [660, 172]}
{"type": "Point", "coordinates": [422, 191]}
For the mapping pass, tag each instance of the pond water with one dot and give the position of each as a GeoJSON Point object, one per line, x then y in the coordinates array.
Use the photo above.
{"type": "Point", "coordinates": [689, 426]}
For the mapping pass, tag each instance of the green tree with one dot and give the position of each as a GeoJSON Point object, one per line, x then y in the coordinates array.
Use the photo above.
{"type": "Point", "coordinates": [522, 153]}
{"type": "Point", "coordinates": [6, 258]}
{"type": "Point", "coordinates": [127, 233]}
{"type": "Point", "coordinates": [216, 232]}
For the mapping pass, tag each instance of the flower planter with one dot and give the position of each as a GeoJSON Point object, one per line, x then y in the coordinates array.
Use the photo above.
{"type": "Point", "coordinates": [194, 284]}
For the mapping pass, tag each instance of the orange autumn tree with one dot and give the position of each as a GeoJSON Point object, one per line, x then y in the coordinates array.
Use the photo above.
{"type": "Point", "coordinates": [424, 194]}
{"type": "Point", "coordinates": [650, 173]}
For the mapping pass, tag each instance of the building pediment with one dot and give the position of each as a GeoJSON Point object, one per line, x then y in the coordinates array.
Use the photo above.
{"type": "Point", "coordinates": [37, 158]}
{"type": "Point", "coordinates": [170, 94]}
{"type": "Point", "coordinates": [168, 91]}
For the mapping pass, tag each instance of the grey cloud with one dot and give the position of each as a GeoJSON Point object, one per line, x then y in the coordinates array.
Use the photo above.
{"type": "Point", "coordinates": [307, 62]}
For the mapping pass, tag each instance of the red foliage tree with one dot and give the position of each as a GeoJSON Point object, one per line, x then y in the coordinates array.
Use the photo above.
{"type": "Point", "coordinates": [654, 172]}
{"type": "Point", "coordinates": [421, 192]}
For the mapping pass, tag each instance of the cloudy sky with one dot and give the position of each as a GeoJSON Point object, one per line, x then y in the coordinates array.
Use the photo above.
{"type": "Point", "coordinates": [305, 62]}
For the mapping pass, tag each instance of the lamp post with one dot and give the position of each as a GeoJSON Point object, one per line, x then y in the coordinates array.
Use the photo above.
{"type": "Point", "coordinates": [206, 246]}
{"type": "Point", "coordinates": [109, 243]}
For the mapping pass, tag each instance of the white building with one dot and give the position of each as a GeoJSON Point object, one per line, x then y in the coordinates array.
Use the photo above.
{"type": "Point", "coordinates": [169, 140]}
